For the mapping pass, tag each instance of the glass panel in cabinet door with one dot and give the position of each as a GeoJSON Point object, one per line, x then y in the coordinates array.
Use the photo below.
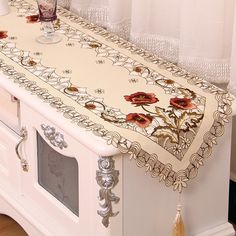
{"type": "Point", "coordinates": [58, 174]}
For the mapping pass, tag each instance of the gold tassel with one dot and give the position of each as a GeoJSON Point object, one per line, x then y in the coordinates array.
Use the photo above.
{"type": "Point", "coordinates": [178, 229]}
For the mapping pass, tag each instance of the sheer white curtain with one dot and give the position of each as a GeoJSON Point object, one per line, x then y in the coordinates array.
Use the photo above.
{"type": "Point", "coordinates": [196, 34]}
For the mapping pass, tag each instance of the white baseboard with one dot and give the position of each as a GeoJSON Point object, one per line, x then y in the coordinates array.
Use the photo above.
{"type": "Point", "coordinates": [221, 230]}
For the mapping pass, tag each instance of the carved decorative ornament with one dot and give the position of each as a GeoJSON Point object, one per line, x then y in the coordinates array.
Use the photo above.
{"type": "Point", "coordinates": [55, 138]}
{"type": "Point", "coordinates": [107, 178]}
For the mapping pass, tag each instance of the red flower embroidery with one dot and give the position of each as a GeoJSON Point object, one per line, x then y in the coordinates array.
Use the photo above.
{"type": "Point", "coordinates": [72, 89]}
{"type": "Point", "coordinates": [90, 106]}
{"type": "Point", "coordinates": [137, 69]}
{"type": "Point", "coordinates": [141, 98]}
{"type": "Point", "coordinates": [32, 18]}
{"type": "Point", "coordinates": [182, 103]}
{"type": "Point", "coordinates": [169, 81]}
{"type": "Point", "coordinates": [139, 119]}
{"type": "Point", "coordinates": [3, 34]}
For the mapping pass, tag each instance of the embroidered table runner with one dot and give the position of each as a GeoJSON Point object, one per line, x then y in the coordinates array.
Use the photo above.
{"type": "Point", "coordinates": [166, 118]}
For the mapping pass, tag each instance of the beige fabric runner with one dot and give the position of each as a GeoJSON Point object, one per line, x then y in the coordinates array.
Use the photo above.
{"type": "Point", "coordinates": [166, 118]}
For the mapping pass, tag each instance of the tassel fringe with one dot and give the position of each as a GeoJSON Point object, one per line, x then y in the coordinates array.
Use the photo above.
{"type": "Point", "coordinates": [178, 229]}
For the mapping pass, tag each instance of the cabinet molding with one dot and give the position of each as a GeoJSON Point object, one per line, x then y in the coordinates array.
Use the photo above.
{"type": "Point", "coordinates": [55, 138]}
{"type": "Point", "coordinates": [107, 178]}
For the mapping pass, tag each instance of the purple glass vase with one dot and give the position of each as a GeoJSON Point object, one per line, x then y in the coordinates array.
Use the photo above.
{"type": "Point", "coordinates": [47, 14]}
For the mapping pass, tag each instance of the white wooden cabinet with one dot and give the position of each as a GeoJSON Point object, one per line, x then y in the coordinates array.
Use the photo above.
{"type": "Point", "coordinates": [57, 194]}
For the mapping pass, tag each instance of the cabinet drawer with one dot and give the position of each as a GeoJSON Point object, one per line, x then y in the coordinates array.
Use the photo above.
{"type": "Point", "coordinates": [9, 110]}
{"type": "Point", "coordinates": [9, 162]}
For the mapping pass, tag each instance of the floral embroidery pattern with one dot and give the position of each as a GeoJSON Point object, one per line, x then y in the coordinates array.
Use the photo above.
{"type": "Point", "coordinates": [90, 106]}
{"type": "Point", "coordinates": [139, 119]}
{"type": "Point", "coordinates": [182, 103]}
{"type": "Point", "coordinates": [171, 123]}
{"type": "Point", "coordinates": [141, 98]}
{"type": "Point", "coordinates": [3, 34]}
{"type": "Point", "coordinates": [164, 115]}
{"type": "Point", "coordinates": [32, 18]}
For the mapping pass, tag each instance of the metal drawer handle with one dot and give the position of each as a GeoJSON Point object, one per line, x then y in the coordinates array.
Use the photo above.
{"type": "Point", "coordinates": [24, 163]}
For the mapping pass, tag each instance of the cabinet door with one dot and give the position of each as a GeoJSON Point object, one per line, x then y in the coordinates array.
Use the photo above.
{"type": "Point", "coordinates": [9, 162]}
{"type": "Point", "coordinates": [61, 180]}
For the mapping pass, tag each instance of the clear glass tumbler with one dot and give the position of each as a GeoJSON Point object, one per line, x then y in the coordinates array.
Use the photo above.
{"type": "Point", "coordinates": [47, 14]}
